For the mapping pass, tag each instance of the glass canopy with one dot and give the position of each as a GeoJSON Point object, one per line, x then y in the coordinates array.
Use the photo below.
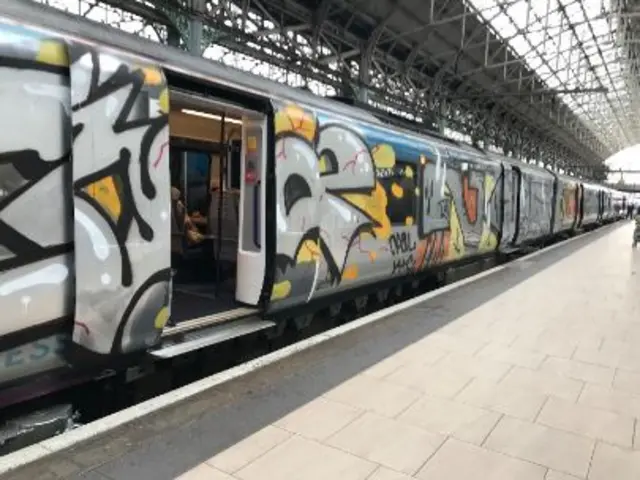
{"type": "Point", "coordinates": [577, 46]}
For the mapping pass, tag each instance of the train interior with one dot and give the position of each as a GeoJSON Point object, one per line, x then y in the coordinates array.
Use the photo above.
{"type": "Point", "coordinates": [205, 165]}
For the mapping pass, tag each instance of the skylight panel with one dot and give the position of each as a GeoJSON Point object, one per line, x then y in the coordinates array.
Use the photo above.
{"type": "Point", "coordinates": [570, 45]}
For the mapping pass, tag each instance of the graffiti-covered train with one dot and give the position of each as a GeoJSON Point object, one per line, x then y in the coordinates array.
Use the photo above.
{"type": "Point", "coordinates": [154, 203]}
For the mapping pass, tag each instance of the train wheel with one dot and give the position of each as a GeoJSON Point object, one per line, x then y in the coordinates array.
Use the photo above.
{"type": "Point", "coordinates": [360, 304]}
{"type": "Point", "coordinates": [397, 293]}
{"type": "Point", "coordinates": [382, 296]}
{"type": "Point", "coordinates": [303, 322]}
{"type": "Point", "coordinates": [414, 288]}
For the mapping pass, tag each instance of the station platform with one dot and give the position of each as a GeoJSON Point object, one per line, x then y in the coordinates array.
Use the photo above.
{"type": "Point", "coordinates": [531, 372]}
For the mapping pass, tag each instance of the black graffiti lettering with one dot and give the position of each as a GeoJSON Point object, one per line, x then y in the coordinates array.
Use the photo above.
{"type": "Point", "coordinates": [133, 114]}
{"type": "Point", "coordinates": [403, 265]}
{"type": "Point", "coordinates": [401, 242]}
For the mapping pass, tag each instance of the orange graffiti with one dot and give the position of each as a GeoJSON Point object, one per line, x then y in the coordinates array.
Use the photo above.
{"type": "Point", "coordinates": [350, 272]}
{"type": "Point", "coordinates": [569, 202]}
{"type": "Point", "coordinates": [420, 255]}
{"type": "Point", "coordinates": [470, 196]}
{"type": "Point", "coordinates": [432, 250]}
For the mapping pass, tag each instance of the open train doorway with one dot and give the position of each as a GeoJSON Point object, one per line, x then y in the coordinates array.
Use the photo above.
{"type": "Point", "coordinates": [213, 206]}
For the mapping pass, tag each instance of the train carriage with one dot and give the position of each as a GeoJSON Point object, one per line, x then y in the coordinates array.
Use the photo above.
{"type": "Point", "coordinates": [367, 204]}
{"type": "Point", "coordinates": [535, 194]}
{"type": "Point", "coordinates": [146, 194]}
{"type": "Point", "coordinates": [591, 201]}
{"type": "Point", "coordinates": [608, 208]}
{"type": "Point", "coordinates": [619, 201]}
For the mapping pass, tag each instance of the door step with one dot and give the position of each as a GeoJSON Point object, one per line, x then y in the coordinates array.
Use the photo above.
{"type": "Point", "coordinates": [205, 337]}
{"type": "Point", "coordinates": [209, 320]}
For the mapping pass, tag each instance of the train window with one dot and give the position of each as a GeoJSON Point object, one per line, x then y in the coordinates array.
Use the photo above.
{"type": "Point", "coordinates": [197, 173]}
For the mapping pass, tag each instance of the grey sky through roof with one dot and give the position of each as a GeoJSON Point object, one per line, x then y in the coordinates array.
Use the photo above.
{"type": "Point", "coordinates": [572, 45]}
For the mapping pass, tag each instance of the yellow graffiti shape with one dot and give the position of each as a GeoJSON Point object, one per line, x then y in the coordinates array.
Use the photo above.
{"type": "Point", "coordinates": [397, 191]}
{"type": "Point", "coordinates": [294, 119]}
{"type": "Point", "coordinates": [161, 318]}
{"type": "Point", "coordinates": [488, 239]}
{"type": "Point", "coordinates": [350, 272]}
{"type": "Point", "coordinates": [163, 101]}
{"type": "Point", "coordinates": [456, 247]}
{"type": "Point", "coordinates": [152, 76]}
{"type": "Point", "coordinates": [408, 172]}
{"type": "Point", "coordinates": [104, 192]}
{"type": "Point", "coordinates": [375, 206]}
{"type": "Point", "coordinates": [408, 221]}
{"type": "Point", "coordinates": [322, 164]}
{"type": "Point", "coordinates": [281, 290]}
{"type": "Point", "coordinates": [309, 252]}
{"type": "Point", "coordinates": [383, 156]}
{"type": "Point", "coordinates": [53, 52]}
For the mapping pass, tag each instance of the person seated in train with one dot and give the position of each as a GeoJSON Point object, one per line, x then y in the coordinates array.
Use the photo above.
{"type": "Point", "coordinates": [191, 232]}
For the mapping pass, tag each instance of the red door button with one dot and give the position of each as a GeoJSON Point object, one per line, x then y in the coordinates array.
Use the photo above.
{"type": "Point", "coordinates": [250, 176]}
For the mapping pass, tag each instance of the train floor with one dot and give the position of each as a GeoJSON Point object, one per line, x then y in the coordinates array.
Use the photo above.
{"type": "Point", "coordinates": [530, 373]}
{"type": "Point", "coordinates": [191, 301]}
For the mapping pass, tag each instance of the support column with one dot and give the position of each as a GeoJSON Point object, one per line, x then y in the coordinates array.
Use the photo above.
{"type": "Point", "coordinates": [506, 148]}
{"type": "Point", "coordinates": [442, 123]}
{"type": "Point", "coordinates": [346, 87]}
{"type": "Point", "coordinates": [195, 28]}
{"type": "Point", "coordinates": [364, 74]}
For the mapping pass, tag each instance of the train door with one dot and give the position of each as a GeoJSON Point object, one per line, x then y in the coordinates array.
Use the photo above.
{"type": "Point", "coordinates": [121, 200]}
{"type": "Point", "coordinates": [519, 201]}
{"type": "Point", "coordinates": [218, 207]}
{"type": "Point", "coordinates": [251, 253]}
{"type": "Point", "coordinates": [575, 203]}
{"type": "Point", "coordinates": [600, 197]}
{"type": "Point", "coordinates": [581, 206]}
{"type": "Point", "coordinates": [556, 201]}
{"type": "Point", "coordinates": [510, 188]}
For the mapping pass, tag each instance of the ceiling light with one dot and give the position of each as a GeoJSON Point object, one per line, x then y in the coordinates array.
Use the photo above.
{"type": "Point", "coordinates": [197, 113]}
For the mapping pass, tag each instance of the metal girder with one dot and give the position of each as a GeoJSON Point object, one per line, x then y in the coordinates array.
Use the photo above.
{"type": "Point", "coordinates": [593, 144]}
{"type": "Point", "coordinates": [448, 60]}
{"type": "Point", "coordinates": [319, 17]}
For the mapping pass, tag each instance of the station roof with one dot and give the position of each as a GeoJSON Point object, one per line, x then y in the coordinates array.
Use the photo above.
{"type": "Point", "coordinates": [543, 77]}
